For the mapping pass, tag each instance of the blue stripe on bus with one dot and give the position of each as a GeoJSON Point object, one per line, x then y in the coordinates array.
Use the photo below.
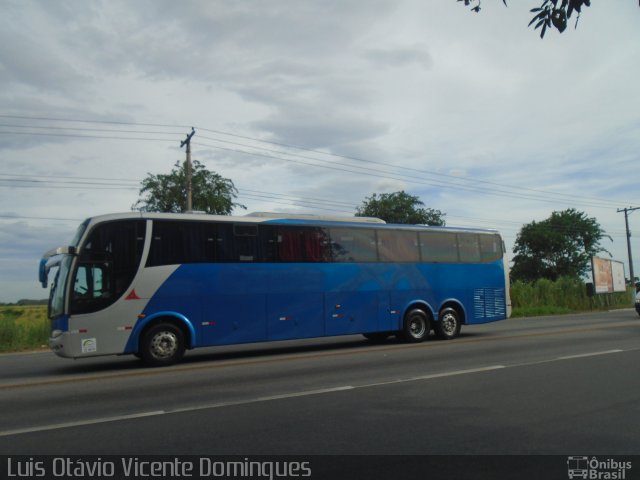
{"type": "Point", "coordinates": [241, 303]}
{"type": "Point", "coordinates": [60, 323]}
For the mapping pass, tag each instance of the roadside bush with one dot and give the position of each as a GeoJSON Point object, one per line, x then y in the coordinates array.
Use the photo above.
{"type": "Point", "coordinates": [565, 295]}
{"type": "Point", "coordinates": [23, 328]}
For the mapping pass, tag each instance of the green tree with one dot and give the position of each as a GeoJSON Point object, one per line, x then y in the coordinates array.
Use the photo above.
{"type": "Point", "coordinates": [399, 207]}
{"type": "Point", "coordinates": [550, 13]}
{"type": "Point", "coordinates": [167, 193]}
{"type": "Point", "coordinates": [560, 246]}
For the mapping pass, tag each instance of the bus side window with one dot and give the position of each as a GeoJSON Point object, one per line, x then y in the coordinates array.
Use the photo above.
{"type": "Point", "coordinates": [439, 247]}
{"type": "Point", "coordinates": [246, 243]}
{"type": "Point", "coordinates": [223, 239]}
{"type": "Point", "coordinates": [469, 247]}
{"type": "Point", "coordinates": [490, 247]}
{"type": "Point", "coordinates": [294, 244]}
{"type": "Point", "coordinates": [398, 246]}
{"type": "Point", "coordinates": [316, 245]}
{"type": "Point", "coordinates": [290, 244]}
{"type": "Point", "coordinates": [353, 245]}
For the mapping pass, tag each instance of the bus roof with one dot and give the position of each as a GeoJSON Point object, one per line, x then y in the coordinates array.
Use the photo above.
{"type": "Point", "coordinates": [312, 217]}
{"type": "Point", "coordinates": [279, 218]}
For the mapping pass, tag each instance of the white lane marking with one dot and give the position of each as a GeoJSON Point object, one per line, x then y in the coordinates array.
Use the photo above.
{"type": "Point", "coordinates": [283, 396]}
{"type": "Point", "coordinates": [433, 375]}
{"type": "Point", "coordinates": [592, 354]}
{"type": "Point", "coordinates": [259, 399]}
{"type": "Point", "coordinates": [79, 423]}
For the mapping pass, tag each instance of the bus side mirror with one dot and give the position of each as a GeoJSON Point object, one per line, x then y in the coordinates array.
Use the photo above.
{"type": "Point", "coordinates": [43, 272]}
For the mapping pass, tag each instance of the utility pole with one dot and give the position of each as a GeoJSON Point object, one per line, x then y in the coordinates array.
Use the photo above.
{"type": "Point", "coordinates": [187, 168]}
{"type": "Point", "coordinates": [626, 222]}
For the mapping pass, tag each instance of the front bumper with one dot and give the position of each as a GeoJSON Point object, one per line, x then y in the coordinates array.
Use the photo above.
{"type": "Point", "coordinates": [60, 345]}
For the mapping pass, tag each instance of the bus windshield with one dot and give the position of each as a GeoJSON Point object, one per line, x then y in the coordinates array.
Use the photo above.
{"type": "Point", "coordinates": [63, 257]}
{"type": "Point", "coordinates": [79, 232]}
{"type": "Point", "coordinates": [56, 299]}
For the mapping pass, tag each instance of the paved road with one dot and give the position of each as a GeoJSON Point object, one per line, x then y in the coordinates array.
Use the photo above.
{"type": "Point", "coordinates": [565, 385]}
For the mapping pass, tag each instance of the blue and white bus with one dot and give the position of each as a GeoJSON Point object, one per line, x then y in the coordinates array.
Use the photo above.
{"type": "Point", "coordinates": [155, 285]}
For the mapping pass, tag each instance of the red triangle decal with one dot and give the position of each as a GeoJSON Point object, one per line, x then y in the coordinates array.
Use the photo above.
{"type": "Point", "coordinates": [133, 295]}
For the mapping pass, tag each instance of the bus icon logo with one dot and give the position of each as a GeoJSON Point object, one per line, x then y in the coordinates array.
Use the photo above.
{"type": "Point", "coordinates": [578, 467]}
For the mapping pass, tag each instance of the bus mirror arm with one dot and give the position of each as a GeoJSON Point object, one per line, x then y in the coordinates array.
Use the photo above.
{"type": "Point", "coordinates": [70, 250]}
{"type": "Point", "coordinates": [43, 270]}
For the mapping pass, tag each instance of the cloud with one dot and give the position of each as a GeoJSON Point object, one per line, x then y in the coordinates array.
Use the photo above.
{"type": "Point", "coordinates": [400, 56]}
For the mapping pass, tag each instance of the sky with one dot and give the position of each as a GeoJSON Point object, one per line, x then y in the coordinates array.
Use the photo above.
{"type": "Point", "coordinates": [310, 107]}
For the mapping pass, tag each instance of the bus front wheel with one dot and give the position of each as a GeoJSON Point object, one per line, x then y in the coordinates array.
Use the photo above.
{"type": "Point", "coordinates": [448, 325]}
{"type": "Point", "coordinates": [163, 344]}
{"type": "Point", "coordinates": [416, 326]}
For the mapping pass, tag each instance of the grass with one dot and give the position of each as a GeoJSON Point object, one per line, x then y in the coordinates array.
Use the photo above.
{"type": "Point", "coordinates": [565, 295]}
{"type": "Point", "coordinates": [23, 328]}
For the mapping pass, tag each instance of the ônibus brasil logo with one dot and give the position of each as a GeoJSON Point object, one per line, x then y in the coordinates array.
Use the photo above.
{"type": "Point", "coordinates": [596, 469]}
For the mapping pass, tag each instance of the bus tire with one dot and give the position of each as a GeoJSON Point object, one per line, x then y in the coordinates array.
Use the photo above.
{"type": "Point", "coordinates": [448, 325]}
{"type": "Point", "coordinates": [416, 326]}
{"type": "Point", "coordinates": [163, 344]}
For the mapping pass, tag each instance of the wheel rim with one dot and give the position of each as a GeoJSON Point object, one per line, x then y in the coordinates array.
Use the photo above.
{"type": "Point", "coordinates": [164, 345]}
{"type": "Point", "coordinates": [417, 327]}
{"type": "Point", "coordinates": [449, 323]}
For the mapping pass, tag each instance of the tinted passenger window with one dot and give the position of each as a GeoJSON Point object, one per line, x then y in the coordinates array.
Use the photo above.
{"type": "Point", "coordinates": [469, 247]}
{"type": "Point", "coordinates": [295, 244]}
{"type": "Point", "coordinates": [439, 247]}
{"type": "Point", "coordinates": [353, 245]}
{"type": "Point", "coordinates": [174, 243]}
{"type": "Point", "coordinates": [246, 243]}
{"type": "Point", "coordinates": [398, 246]}
{"type": "Point", "coordinates": [490, 248]}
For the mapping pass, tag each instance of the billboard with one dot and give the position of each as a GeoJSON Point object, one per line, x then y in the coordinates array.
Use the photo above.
{"type": "Point", "coordinates": [608, 275]}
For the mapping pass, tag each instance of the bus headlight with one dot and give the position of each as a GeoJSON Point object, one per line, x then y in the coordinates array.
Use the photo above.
{"type": "Point", "coordinates": [56, 333]}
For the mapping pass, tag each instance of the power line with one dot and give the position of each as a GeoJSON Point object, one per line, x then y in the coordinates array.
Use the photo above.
{"type": "Point", "coordinates": [410, 178]}
{"type": "Point", "coordinates": [587, 201]}
{"type": "Point", "coordinates": [346, 157]}
{"type": "Point", "coordinates": [102, 183]}
{"type": "Point", "coordinates": [68, 177]}
{"type": "Point", "coordinates": [81, 129]}
{"type": "Point", "coordinates": [19, 217]}
{"type": "Point", "coordinates": [404, 178]}
{"type": "Point", "coordinates": [103, 137]}
{"type": "Point", "coordinates": [111, 122]}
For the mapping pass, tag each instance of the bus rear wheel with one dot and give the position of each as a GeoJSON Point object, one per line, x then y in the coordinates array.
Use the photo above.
{"type": "Point", "coordinates": [448, 325]}
{"type": "Point", "coordinates": [416, 326]}
{"type": "Point", "coordinates": [163, 344]}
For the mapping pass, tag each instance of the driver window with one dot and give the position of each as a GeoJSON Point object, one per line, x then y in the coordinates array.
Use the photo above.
{"type": "Point", "coordinates": [91, 287]}
{"type": "Point", "coordinates": [81, 288]}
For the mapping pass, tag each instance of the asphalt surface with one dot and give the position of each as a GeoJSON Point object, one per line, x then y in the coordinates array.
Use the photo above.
{"type": "Point", "coordinates": [566, 385]}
